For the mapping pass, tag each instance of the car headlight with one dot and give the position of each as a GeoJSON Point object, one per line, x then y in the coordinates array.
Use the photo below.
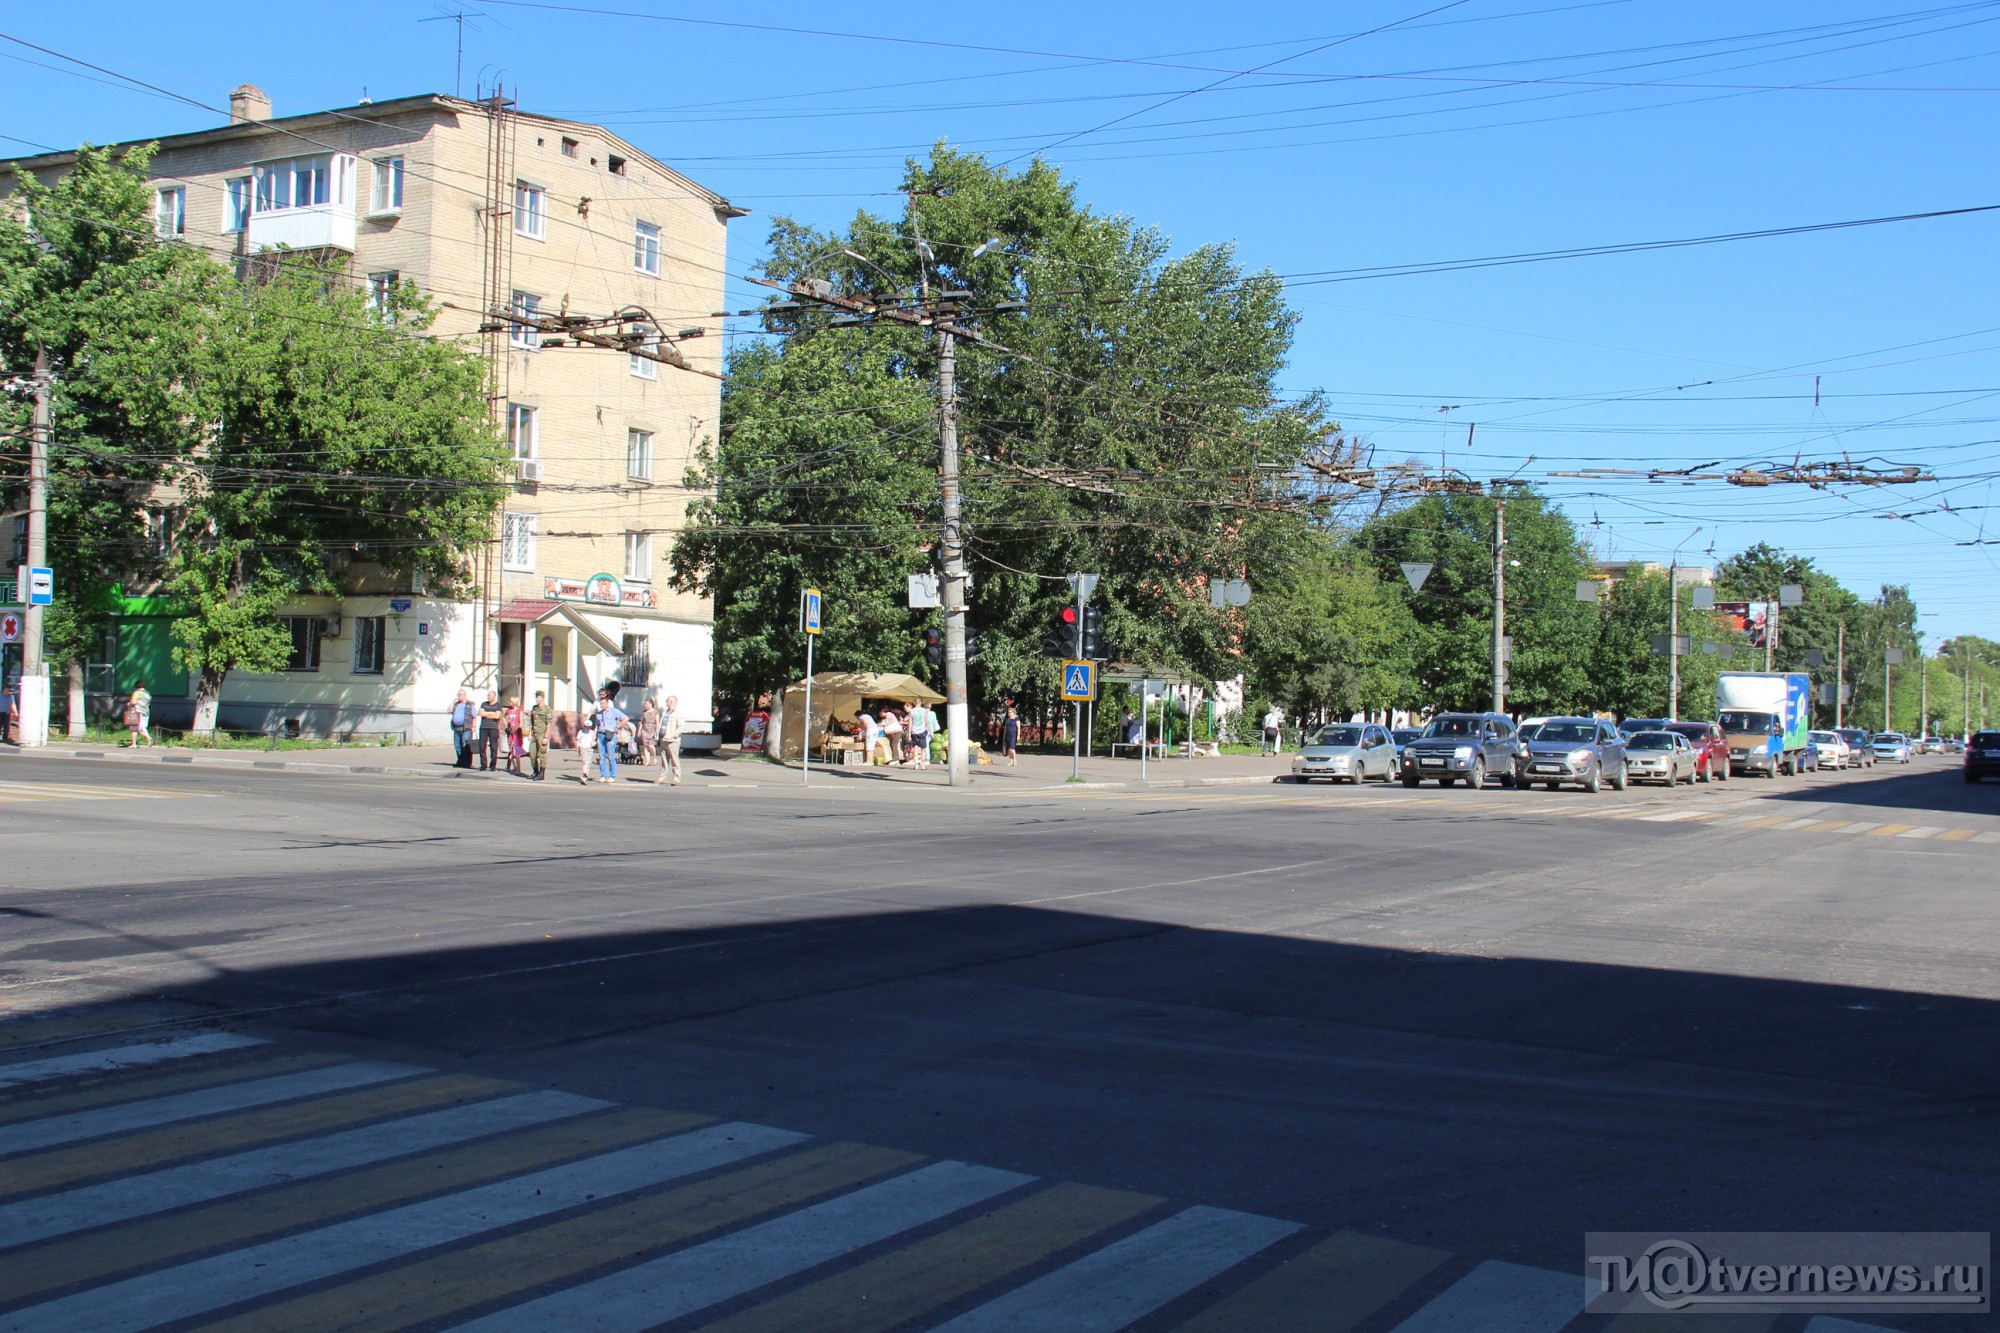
{"type": "Point", "coordinates": [1579, 756]}
{"type": "Point", "coordinates": [1462, 752]}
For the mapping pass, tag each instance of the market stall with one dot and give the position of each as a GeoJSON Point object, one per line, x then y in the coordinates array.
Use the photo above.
{"type": "Point", "coordinates": [836, 697]}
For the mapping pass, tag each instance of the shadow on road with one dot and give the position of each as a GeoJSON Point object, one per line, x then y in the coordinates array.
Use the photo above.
{"type": "Point", "coordinates": [1931, 787]}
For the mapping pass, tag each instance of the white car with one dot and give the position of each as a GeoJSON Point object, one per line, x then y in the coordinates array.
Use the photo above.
{"type": "Point", "coordinates": [1834, 751]}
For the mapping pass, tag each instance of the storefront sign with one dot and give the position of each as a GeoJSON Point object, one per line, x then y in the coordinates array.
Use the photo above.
{"type": "Point", "coordinates": [754, 727]}
{"type": "Point", "coordinates": [598, 590]}
{"type": "Point", "coordinates": [399, 604]}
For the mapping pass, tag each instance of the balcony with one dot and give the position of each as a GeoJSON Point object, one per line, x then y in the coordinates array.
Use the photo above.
{"type": "Point", "coordinates": [313, 227]}
{"type": "Point", "coordinates": [304, 203]}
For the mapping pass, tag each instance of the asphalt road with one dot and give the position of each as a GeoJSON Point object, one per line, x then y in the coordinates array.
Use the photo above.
{"type": "Point", "coordinates": [1485, 1023]}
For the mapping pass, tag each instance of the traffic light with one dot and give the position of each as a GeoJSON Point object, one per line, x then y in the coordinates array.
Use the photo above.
{"type": "Point", "coordinates": [971, 645]}
{"type": "Point", "coordinates": [1063, 642]}
{"type": "Point", "coordinates": [1093, 634]}
{"type": "Point", "coordinates": [934, 646]}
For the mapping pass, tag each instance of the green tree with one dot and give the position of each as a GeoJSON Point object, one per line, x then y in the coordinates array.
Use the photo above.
{"type": "Point", "coordinates": [1327, 639]}
{"type": "Point", "coordinates": [1631, 678]}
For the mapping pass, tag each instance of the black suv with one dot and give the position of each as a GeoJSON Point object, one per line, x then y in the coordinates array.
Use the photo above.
{"type": "Point", "coordinates": [1461, 747]}
{"type": "Point", "coordinates": [1982, 755]}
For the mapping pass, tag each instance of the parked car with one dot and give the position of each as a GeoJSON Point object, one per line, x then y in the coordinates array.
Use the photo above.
{"type": "Point", "coordinates": [1711, 748]}
{"type": "Point", "coordinates": [1982, 756]}
{"type": "Point", "coordinates": [1579, 750]}
{"type": "Point", "coordinates": [1953, 745]}
{"type": "Point", "coordinates": [1632, 724]}
{"type": "Point", "coordinates": [1834, 751]}
{"type": "Point", "coordinates": [1664, 757]}
{"type": "Point", "coordinates": [1892, 746]}
{"type": "Point", "coordinates": [1402, 736]}
{"type": "Point", "coordinates": [1463, 747]}
{"type": "Point", "coordinates": [1860, 746]}
{"type": "Point", "coordinates": [1347, 752]}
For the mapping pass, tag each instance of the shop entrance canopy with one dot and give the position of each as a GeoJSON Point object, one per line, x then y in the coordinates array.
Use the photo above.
{"type": "Point", "coordinates": [838, 695]}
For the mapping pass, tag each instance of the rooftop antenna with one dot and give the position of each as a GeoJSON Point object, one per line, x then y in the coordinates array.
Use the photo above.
{"type": "Point", "coordinates": [459, 17]}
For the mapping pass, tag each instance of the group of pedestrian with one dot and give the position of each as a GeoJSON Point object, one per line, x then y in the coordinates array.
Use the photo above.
{"type": "Point", "coordinates": [655, 735]}
{"type": "Point", "coordinates": [900, 738]}
{"type": "Point", "coordinates": [494, 732]}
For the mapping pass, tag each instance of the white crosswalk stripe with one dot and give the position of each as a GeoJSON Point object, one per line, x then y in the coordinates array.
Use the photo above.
{"type": "Point", "coordinates": [122, 1057]}
{"type": "Point", "coordinates": [1501, 1298]}
{"type": "Point", "coordinates": [11, 792]}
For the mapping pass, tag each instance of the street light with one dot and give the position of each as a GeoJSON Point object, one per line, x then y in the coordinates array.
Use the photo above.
{"type": "Point", "coordinates": [1674, 628]}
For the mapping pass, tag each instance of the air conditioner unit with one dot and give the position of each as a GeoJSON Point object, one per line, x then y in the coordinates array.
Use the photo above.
{"type": "Point", "coordinates": [329, 626]}
{"type": "Point", "coordinates": [530, 469]}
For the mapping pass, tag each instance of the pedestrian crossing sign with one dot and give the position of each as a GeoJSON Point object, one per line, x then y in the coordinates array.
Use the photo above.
{"type": "Point", "coordinates": [1079, 682]}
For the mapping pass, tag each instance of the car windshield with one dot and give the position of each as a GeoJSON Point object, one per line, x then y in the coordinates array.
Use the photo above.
{"type": "Point", "coordinates": [1453, 726]}
{"type": "Point", "coordinates": [1566, 733]}
{"type": "Point", "coordinates": [1532, 731]}
{"type": "Point", "coordinates": [1986, 738]}
{"type": "Point", "coordinates": [1890, 738]}
{"type": "Point", "coordinates": [1338, 736]}
{"type": "Point", "coordinates": [1853, 737]}
{"type": "Point", "coordinates": [1405, 734]}
{"type": "Point", "coordinates": [1824, 737]}
{"type": "Point", "coordinates": [1650, 740]}
{"type": "Point", "coordinates": [1751, 723]}
{"type": "Point", "coordinates": [1694, 731]}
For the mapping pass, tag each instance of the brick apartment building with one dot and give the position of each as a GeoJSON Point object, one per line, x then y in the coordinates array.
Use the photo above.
{"type": "Point", "coordinates": [482, 207]}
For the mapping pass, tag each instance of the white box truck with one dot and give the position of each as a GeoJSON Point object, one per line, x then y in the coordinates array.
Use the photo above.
{"type": "Point", "coordinates": [1765, 716]}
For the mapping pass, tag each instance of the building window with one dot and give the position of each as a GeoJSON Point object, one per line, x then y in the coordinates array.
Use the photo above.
{"type": "Point", "coordinates": [615, 164]}
{"type": "Point", "coordinates": [639, 455]}
{"type": "Point", "coordinates": [305, 631]}
{"type": "Point", "coordinates": [303, 182]}
{"type": "Point", "coordinates": [236, 211]}
{"type": "Point", "coordinates": [646, 248]}
{"type": "Point", "coordinates": [388, 185]}
{"type": "Point", "coordinates": [170, 209]}
{"type": "Point", "coordinates": [530, 210]}
{"type": "Point", "coordinates": [369, 638]}
{"type": "Point", "coordinates": [523, 425]}
{"type": "Point", "coordinates": [517, 542]}
{"type": "Point", "coordinates": [639, 557]}
{"type": "Point", "coordinates": [644, 366]}
{"type": "Point", "coordinates": [522, 335]}
{"type": "Point", "coordinates": [569, 146]}
{"type": "Point", "coordinates": [636, 660]}
{"type": "Point", "coordinates": [382, 293]}
{"type": "Point", "coordinates": [159, 533]}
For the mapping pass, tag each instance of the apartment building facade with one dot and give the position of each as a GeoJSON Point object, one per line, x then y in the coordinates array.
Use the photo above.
{"type": "Point", "coordinates": [484, 208]}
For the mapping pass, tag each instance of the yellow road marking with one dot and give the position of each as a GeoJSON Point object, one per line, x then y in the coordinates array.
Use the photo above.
{"type": "Point", "coordinates": [1956, 834]}
{"type": "Point", "coordinates": [1766, 822]}
{"type": "Point", "coordinates": [230, 1222]}
{"type": "Point", "coordinates": [1890, 830]}
{"type": "Point", "coordinates": [135, 1152]}
{"type": "Point", "coordinates": [1830, 825]}
{"type": "Point", "coordinates": [418, 1293]}
{"type": "Point", "coordinates": [1331, 1287]}
{"type": "Point", "coordinates": [154, 1084]}
{"type": "Point", "coordinates": [899, 1286]}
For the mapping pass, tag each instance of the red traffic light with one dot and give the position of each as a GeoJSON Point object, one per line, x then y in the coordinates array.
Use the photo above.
{"type": "Point", "coordinates": [1069, 615]}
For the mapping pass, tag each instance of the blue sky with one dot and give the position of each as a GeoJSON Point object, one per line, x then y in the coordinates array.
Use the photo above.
{"type": "Point", "coordinates": [1339, 137]}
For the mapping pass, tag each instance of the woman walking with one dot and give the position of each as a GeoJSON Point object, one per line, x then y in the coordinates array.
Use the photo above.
{"type": "Point", "coordinates": [1010, 732]}
{"type": "Point", "coordinates": [139, 717]}
{"type": "Point", "coordinates": [510, 736]}
{"type": "Point", "coordinates": [586, 743]}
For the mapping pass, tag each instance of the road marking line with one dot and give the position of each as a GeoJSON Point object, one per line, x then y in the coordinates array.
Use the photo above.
{"type": "Point", "coordinates": [433, 1288]}
{"type": "Point", "coordinates": [1832, 826]}
{"type": "Point", "coordinates": [128, 1197]}
{"type": "Point", "coordinates": [693, 1279]}
{"type": "Point", "coordinates": [1888, 830]}
{"type": "Point", "coordinates": [155, 1148]}
{"type": "Point", "coordinates": [1863, 826]}
{"type": "Point", "coordinates": [1500, 1297]}
{"type": "Point", "coordinates": [1764, 821]}
{"type": "Point", "coordinates": [894, 1289]}
{"type": "Point", "coordinates": [1922, 831]}
{"type": "Point", "coordinates": [1796, 824]}
{"type": "Point", "coordinates": [1108, 1289]}
{"type": "Point", "coordinates": [1955, 834]}
{"type": "Point", "coordinates": [202, 1285]}
{"type": "Point", "coordinates": [152, 1112]}
{"type": "Point", "coordinates": [96, 1255]}
{"type": "Point", "coordinates": [1329, 1289]}
{"type": "Point", "coordinates": [122, 1057]}
{"type": "Point", "coordinates": [1990, 836]}
{"type": "Point", "coordinates": [42, 1103]}
{"type": "Point", "coordinates": [1675, 816]}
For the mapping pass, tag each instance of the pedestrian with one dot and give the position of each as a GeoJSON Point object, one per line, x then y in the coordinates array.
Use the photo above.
{"type": "Point", "coordinates": [670, 739]}
{"type": "Point", "coordinates": [586, 741]}
{"type": "Point", "coordinates": [538, 736]}
{"type": "Point", "coordinates": [870, 732]}
{"type": "Point", "coordinates": [921, 724]}
{"type": "Point", "coordinates": [6, 710]}
{"type": "Point", "coordinates": [892, 734]}
{"type": "Point", "coordinates": [609, 720]}
{"type": "Point", "coordinates": [648, 731]}
{"type": "Point", "coordinates": [138, 717]}
{"type": "Point", "coordinates": [510, 728]}
{"type": "Point", "coordinates": [490, 714]}
{"type": "Point", "coordinates": [464, 718]}
{"type": "Point", "coordinates": [1274, 732]}
{"type": "Point", "coordinates": [1010, 732]}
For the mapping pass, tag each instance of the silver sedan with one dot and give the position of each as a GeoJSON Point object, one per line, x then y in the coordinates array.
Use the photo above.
{"type": "Point", "coordinates": [1661, 756]}
{"type": "Point", "coordinates": [1347, 752]}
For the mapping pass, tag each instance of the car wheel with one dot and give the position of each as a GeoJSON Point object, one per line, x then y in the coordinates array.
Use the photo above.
{"type": "Point", "coordinates": [1477, 777]}
{"type": "Point", "coordinates": [1411, 782]}
{"type": "Point", "coordinates": [1622, 778]}
{"type": "Point", "coordinates": [1506, 779]}
{"type": "Point", "coordinates": [1596, 779]}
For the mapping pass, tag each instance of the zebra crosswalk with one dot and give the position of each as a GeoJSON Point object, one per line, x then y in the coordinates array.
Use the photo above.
{"type": "Point", "coordinates": [13, 793]}
{"type": "Point", "coordinates": [213, 1180]}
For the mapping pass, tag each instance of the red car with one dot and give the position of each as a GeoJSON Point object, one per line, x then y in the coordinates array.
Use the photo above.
{"type": "Point", "coordinates": [1711, 749]}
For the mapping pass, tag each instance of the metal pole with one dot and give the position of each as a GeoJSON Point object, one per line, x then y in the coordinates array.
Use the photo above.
{"type": "Point", "coordinates": [954, 560]}
{"type": "Point", "coordinates": [34, 697]}
{"type": "Point", "coordinates": [1076, 710]}
{"type": "Point", "coordinates": [1887, 717]}
{"type": "Point", "coordinates": [1145, 728]}
{"type": "Point", "coordinates": [1923, 694]}
{"type": "Point", "coordinates": [1674, 640]}
{"type": "Point", "coordinates": [1840, 677]}
{"type": "Point", "coordinates": [1499, 603]}
{"type": "Point", "coordinates": [805, 733]}
{"type": "Point", "coordinates": [1771, 633]}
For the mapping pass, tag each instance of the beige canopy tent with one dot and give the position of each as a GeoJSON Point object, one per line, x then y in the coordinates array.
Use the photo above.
{"type": "Point", "coordinates": [836, 694]}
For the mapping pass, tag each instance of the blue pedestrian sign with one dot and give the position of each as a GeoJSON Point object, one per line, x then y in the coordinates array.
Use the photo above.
{"type": "Point", "coordinates": [1079, 682]}
{"type": "Point", "coordinates": [809, 616]}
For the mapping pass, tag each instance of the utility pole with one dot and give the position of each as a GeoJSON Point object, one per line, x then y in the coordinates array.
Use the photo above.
{"type": "Point", "coordinates": [1674, 639]}
{"type": "Point", "coordinates": [1887, 716]}
{"type": "Point", "coordinates": [1499, 602]}
{"type": "Point", "coordinates": [1840, 676]}
{"type": "Point", "coordinates": [34, 697]}
{"type": "Point", "coordinates": [954, 557]}
{"type": "Point", "coordinates": [1771, 633]}
{"type": "Point", "coordinates": [1923, 694]}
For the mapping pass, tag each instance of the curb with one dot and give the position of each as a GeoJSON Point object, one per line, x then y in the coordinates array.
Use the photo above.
{"type": "Point", "coordinates": [229, 761]}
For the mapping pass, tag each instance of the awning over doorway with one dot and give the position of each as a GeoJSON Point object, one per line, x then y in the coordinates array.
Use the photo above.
{"type": "Point", "coordinates": [538, 611]}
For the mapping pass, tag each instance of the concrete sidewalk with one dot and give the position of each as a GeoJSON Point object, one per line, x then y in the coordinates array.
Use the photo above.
{"type": "Point", "coordinates": [730, 766]}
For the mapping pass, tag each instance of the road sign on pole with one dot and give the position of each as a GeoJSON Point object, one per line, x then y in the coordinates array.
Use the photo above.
{"type": "Point", "coordinates": [809, 611]}
{"type": "Point", "coordinates": [1079, 682]}
{"type": "Point", "coordinates": [38, 585]}
{"type": "Point", "coordinates": [1083, 585]}
{"type": "Point", "coordinates": [1416, 571]}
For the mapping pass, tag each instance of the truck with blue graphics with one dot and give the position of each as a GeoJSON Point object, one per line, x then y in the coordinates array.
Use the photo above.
{"type": "Point", "coordinates": [1765, 716]}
